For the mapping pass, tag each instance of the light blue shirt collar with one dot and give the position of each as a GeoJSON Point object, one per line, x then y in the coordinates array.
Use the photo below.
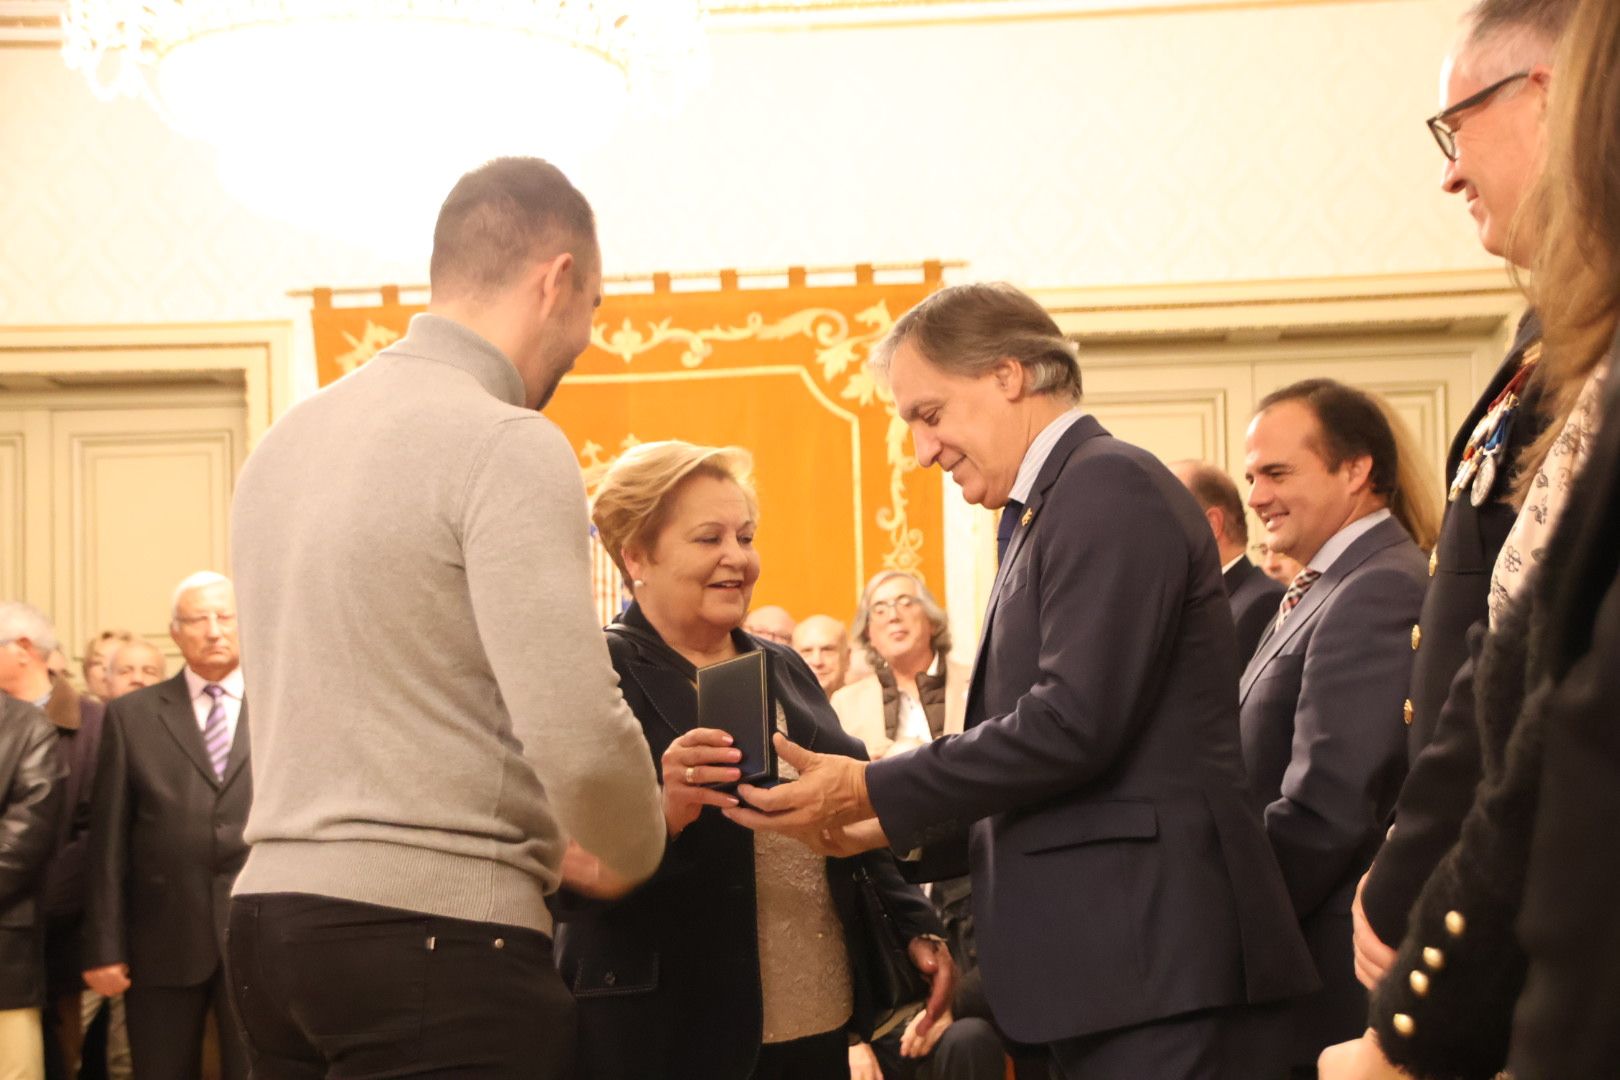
{"type": "Point", "coordinates": [1039, 450]}
{"type": "Point", "coordinates": [1340, 541]}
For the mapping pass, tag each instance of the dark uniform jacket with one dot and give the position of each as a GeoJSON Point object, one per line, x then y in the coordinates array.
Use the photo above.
{"type": "Point", "coordinates": [165, 840]}
{"type": "Point", "coordinates": [1445, 1008]}
{"type": "Point", "coordinates": [32, 802]}
{"type": "Point", "coordinates": [1443, 742]}
{"type": "Point", "coordinates": [666, 980]}
{"type": "Point", "coordinates": [1570, 925]}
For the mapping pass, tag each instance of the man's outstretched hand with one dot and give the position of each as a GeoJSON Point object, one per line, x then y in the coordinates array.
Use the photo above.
{"type": "Point", "coordinates": [829, 794]}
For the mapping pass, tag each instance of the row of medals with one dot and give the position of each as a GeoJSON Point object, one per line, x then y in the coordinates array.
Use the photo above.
{"type": "Point", "coordinates": [1477, 470]}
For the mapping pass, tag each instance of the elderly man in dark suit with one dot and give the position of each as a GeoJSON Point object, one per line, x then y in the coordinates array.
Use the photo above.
{"type": "Point", "coordinates": [1129, 913]}
{"type": "Point", "coordinates": [1321, 700]}
{"type": "Point", "coordinates": [1253, 595]}
{"type": "Point", "coordinates": [172, 794]}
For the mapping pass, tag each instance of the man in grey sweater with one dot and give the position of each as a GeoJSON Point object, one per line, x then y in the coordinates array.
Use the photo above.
{"type": "Point", "coordinates": [435, 716]}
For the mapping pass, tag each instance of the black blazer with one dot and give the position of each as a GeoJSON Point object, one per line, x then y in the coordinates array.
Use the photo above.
{"type": "Point", "coordinates": [1120, 874]}
{"type": "Point", "coordinates": [1570, 925]}
{"type": "Point", "coordinates": [1534, 859]}
{"type": "Point", "coordinates": [1443, 741]}
{"type": "Point", "coordinates": [165, 840]}
{"type": "Point", "coordinates": [666, 980]}
{"type": "Point", "coordinates": [1255, 598]}
{"type": "Point", "coordinates": [33, 802]}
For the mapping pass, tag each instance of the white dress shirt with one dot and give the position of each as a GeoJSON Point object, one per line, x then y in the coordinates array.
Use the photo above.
{"type": "Point", "coordinates": [201, 703]}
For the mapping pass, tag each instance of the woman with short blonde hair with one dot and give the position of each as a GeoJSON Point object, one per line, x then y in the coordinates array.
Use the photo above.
{"type": "Point", "coordinates": [742, 957]}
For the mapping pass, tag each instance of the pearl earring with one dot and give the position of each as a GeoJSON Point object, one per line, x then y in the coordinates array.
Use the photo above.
{"type": "Point", "coordinates": [637, 582]}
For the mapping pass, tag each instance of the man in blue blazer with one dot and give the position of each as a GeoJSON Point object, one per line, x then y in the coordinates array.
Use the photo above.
{"type": "Point", "coordinates": [1129, 913]}
{"type": "Point", "coordinates": [1323, 737]}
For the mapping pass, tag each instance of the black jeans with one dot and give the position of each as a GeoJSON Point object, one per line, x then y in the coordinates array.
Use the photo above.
{"type": "Point", "coordinates": [333, 988]}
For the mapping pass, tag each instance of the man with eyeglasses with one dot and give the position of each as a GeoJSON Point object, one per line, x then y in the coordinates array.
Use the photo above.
{"type": "Point", "coordinates": [1494, 87]}
{"type": "Point", "coordinates": [171, 797]}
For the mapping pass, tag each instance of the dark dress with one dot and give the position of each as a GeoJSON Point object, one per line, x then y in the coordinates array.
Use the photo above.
{"type": "Point", "coordinates": [667, 979]}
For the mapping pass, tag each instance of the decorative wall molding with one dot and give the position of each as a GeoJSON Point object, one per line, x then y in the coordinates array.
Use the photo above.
{"type": "Point", "coordinates": [1464, 301]}
{"type": "Point", "coordinates": [257, 354]}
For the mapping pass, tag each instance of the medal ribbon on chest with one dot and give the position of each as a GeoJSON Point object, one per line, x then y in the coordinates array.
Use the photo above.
{"type": "Point", "coordinates": [1477, 471]}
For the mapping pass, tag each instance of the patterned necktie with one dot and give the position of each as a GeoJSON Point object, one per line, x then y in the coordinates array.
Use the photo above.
{"type": "Point", "coordinates": [1004, 529]}
{"type": "Point", "coordinates": [216, 733]}
{"type": "Point", "coordinates": [1296, 592]}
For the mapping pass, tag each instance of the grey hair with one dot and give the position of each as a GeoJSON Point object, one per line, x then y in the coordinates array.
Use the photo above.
{"type": "Point", "coordinates": [19, 620]}
{"type": "Point", "coordinates": [859, 628]}
{"type": "Point", "coordinates": [967, 330]}
{"type": "Point", "coordinates": [1501, 37]}
{"type": "Point", "coordinates": [198, 580]}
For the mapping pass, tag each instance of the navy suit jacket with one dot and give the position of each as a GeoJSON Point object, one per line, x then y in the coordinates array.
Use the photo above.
{"type": "Point", "coordinates": [1254, 598]}
{"type": "Point", "coordinates": [1325, 747]}
{"type": "Point", "coordinates": [1120, 875]}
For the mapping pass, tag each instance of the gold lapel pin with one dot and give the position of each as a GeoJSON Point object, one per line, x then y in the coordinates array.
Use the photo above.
{"type": "Point", "coordinates": [1029, 515]}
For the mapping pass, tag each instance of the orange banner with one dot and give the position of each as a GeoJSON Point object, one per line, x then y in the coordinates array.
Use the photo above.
{"type": "Point", "coordinates": [781, 372]}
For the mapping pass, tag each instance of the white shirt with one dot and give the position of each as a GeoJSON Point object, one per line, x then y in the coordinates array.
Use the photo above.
{"type": "Point", "coordinates": [201, 703]}
{"type": "Point", "coordinates": [1039, 450]}
{"type": "Point", "coordinates": [913, 719]}
{"type": "Point", "coordinates": [1341, 540]}
{"type": "Point", "coordinates": [1227, 569]}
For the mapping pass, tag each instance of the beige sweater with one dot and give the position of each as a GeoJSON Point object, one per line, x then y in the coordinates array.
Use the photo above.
{"type": "Point", "coordinates": [434, 712]}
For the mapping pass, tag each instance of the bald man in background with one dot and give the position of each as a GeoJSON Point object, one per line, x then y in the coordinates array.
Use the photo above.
{"type": "Point", "coordinates": [824, 643]}
{"type": "Point", "coordinates": [134, 665]}
{"type": "Point", "coordinates": [771, 623]}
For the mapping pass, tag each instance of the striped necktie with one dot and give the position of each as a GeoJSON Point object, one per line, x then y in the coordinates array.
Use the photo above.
{"type": "Point", "coordinates": [216, 732]}
{"type": "Point", "coordinates": [1296, 592]}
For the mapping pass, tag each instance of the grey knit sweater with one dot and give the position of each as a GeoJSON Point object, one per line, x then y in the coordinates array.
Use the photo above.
{"type": "Point", "coordinates": [434, 713]}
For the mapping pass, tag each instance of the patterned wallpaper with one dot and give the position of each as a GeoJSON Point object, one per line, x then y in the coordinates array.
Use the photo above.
{"type": "Point", "coordinates": [1234, 144]}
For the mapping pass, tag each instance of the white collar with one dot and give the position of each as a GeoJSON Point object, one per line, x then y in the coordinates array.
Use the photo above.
{"type": "Point", "coordinates": [232, 683]}
{"type": "Point", "coordinates": [1340, 541]}
{"type": "Point", "coordinates": [1227, 569]}
{"type": "Point", "coordinates": [1029, 470]}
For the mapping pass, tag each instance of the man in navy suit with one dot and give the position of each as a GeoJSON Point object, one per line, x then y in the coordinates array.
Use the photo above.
{"type": "Point", "coordinates": [1323, 738]}
{"type": "Point", "coordinates": [1253, 595]}
{"type": "Point", "coordinates": [1129, 913]}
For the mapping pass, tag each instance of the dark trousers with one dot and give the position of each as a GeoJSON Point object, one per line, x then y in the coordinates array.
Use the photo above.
{"type": "Point", "coordinates": [166, 1029]}
{"type": "Point", "coordinates": [969, 1050]}
{"type": "Point", "coordinates": [1244, 1042]}
{"type": "Point", "coordinates": [817, 1057]}
{"type": "Point", "coordinates": [333, 988]}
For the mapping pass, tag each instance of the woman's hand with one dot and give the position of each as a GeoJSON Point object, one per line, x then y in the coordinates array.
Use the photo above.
{"type": "Point", "coordinates": [701, 756]}
{"type": "Point", "coordinates": [863, 1063]}
{"type": "Point", "coordinates": [916, 1044]}
{"type": "Point", "coordinates": [933, 958]}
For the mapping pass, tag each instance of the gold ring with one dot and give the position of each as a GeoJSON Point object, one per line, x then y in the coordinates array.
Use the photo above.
{"type": "Point", "coordinates": [689, 774]}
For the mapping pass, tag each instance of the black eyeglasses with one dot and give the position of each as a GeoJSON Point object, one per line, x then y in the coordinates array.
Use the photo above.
{"type": "Point", "coordinates": [1441, 126]}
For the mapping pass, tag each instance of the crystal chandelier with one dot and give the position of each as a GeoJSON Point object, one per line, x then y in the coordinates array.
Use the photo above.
{"type": "Point", "coordinates": [354, 117]}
